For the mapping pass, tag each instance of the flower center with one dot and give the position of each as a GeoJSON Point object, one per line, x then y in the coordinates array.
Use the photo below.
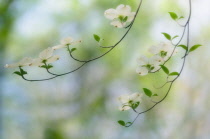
{"type": "Point", "coordinates": [163, 53]}
{"type": "Point", "coordinates": [123, 18]}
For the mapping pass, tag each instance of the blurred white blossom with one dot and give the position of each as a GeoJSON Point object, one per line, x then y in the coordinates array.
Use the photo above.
{"type": "Point", "coordinates": [46, 56]}
{"type": "Point", "coordinates": [120, 16]}
{"type": "Point", "coordinates": [146, 65]}
{"type": "Point", "coordinates": [164, 50]}
{"type": "Point", "coordinates": [128, 100]}
{"type": "Point", "coordinates": [65, 42]}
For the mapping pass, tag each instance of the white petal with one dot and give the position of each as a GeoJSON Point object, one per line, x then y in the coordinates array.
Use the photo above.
{"type": "Point", "coordinates": [110, 14]}
{"type": "Point", "coordinates": [124, 108]}
{"type": "Point", "coordinates": [142, 71]}
{"type": "Point", "coordinates": [75, 42]}
{"type": "Point", "coordinates": [136, 97]}
{"type": "Point", "coordinates": [53, 59]}
{"type": "Point", "coordinates": [131, 16]}
{"type": "Point", "coordinates": [154, 50]}
{"type": "Point", "coordinates": [156, 60]}
{"type": "Point", "coordinates": [124, 98]}
{"type": "Point", "coordinates": [67, 41]}
{"type": "Point", "coordinates": [123, 10]}
{"type": "Point", "coordinates": [58, 47]}
{"type": "Point", "coordinates": [37, 62]}
{"type": "Point", "coordinates": [25, 61]}
{"type": "Point", "coordinates": [117, 24]}
{"type": "Point", "coordinates": [166, 47]}
{"type": "Point", "coordinates": [143, 60]}
{"type": "Point", "coordinates": [47, 53]}
{"type": "Point", "coordinates": [12, 65]}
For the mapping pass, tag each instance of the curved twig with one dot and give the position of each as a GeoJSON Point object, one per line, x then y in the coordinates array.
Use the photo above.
{"type": "Point", "coordinates": [93, 59]}
{"type": "Point", "coordinates": [187, 25]}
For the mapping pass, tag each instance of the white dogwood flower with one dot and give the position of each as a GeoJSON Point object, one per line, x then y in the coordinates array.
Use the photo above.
{"type": "Point", "coordinates": [46, 56]}
{"type": "Point", "coordinates": [65, 42]}
{"type": "Point", "coordinates": [26, 61]}
{"type": "Point", "coordinates": [120, 16]}
{"type": "Point", "coordinates": [164, 50]}
{"type": "Point", "coordinates": [147, 65]}
{"type": "Point", "coordinates": [128, 100]}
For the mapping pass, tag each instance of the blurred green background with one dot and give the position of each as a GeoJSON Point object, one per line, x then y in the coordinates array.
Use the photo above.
{"type": "Point", "coordinates": [84, 105]}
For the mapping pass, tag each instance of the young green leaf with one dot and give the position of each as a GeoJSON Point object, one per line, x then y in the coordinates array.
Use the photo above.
{"type": "Point", "coordinates": [167, 36]}
{"type": "Point", "coordinates": [18, 73]}
{"type": "Point", "coordinates": [173, 15]}
{"type": "Point", "coordinates": [175, 37]}
{"type": "Point", "coordinates": [183, 46]}
{"type": "Point", "coordinates": [23, 72]}
{"type": "Point", "coordinates": [121, 122]}
{"type": "Point", "coordinates": [181, 17]}
{"type": "Point", "coordinates": [73, 49]}
{"type": "Point", "coordinates": [194, 47]}
{"type": "Point", "coordinates": [165, 69]}
{"type": "Point", "coordinates": [125, 19]}
{"type": "Point", "coordinates": [135, 105]}
{"type": "Point", "coordinates": [147, 92]}
{"type": "Point", "coordinates": [44, 66]}
{"type": "Point", "coordinates": [174, 74]}
{"type": "Point", "coordinates": [155, 95]}
{"type": "Point", "coordinates": [96, 37]}
{"type": "Point", "coordinates": [49, 66]}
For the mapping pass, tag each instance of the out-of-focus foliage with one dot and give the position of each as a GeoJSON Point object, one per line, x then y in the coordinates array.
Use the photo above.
{"type": "Point", "coordinates": [84, 104]}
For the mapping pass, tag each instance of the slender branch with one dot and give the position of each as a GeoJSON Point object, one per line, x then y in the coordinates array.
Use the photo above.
{"type": "Point", "coordinates": [112, 47]}
{"type": "Point", "coordinates": [87, 61]}
{"type": "Point", "coordinates": [57, 75]}
{"type": "Point", "coordinates": [187, 25]}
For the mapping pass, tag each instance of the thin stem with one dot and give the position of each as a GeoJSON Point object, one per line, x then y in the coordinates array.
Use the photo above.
{"type": "Point", "coordinates": [57, 75]}
{"type": "Point", "coordinates": [112, 47]}
{"type": "Point", "coordinates": [187, 25]}
{"type": "Point", "coordinates": [87, 61]}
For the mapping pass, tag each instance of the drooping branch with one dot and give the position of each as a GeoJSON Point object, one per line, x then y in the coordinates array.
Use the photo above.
{"type": "Point", "coordinates": [84, 62]}
{"type": "Point", "coordinates": [186, 27]}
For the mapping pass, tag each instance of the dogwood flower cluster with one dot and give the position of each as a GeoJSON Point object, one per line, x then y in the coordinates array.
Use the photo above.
{"type": "Point", "coordinates": [146, 65]}
{"type": "Point", "coordinates": [65, 43]}
{"type": "Point", "coordinates": [120, 16]}
{"type": "Point", "coordinates": [130, 101]}
{"type": "Point", "coordinates": [162, 52]}
{"type": "Point", "coordinates": [45, 57]}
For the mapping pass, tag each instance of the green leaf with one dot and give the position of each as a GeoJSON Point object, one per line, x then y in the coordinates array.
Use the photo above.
{"type": "Point", "coordinates": [49, 66]}
{"type": "Point", "coordinates": [96, 37]}
{"type": "Point", "coordinates": [174, 74]}
{"type": "Point", "coordinates": [165, 69]}
{"type": "Point", "coordinates": [73, 49]}
{"type": "Point", "coordinates": [194, 47]}
{"type": "Point", "coordinates": [125, 19]}
{"type": "Point", "coordinates": [175, 37]}
{"type": "Point", "coordinates": [155, 95]}
{"type": "Point", "coordinates": [173, 15]}
{"type": "Point", "coordinates": [22, 71]}
{"type": "Point", "coordinates": [121, 122]}
{"type": "Point", "coordinates": [181, 17]}
{"type": "Point", "coordinates": [167, 36]}
{"type": "Point", "coordinates": [18, 73]}
{"type": "Point", "coordinates": [147, 92]}
{"type": "Point", "coordinates": [135, 105]}
{"type": "Point", "coordinates": [183, 46]}
{"type": "Point", "coordinates": [44, 66]}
